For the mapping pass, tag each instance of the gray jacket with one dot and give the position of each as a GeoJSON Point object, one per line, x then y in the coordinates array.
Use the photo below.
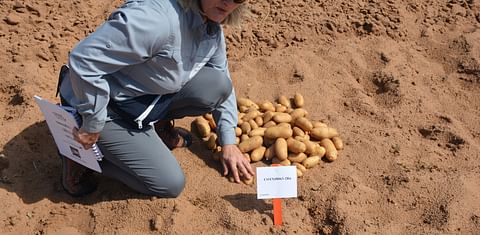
{"type": "Point", "coordinates": [145, 47]}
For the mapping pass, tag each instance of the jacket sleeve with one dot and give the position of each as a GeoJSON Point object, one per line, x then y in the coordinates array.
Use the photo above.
{"type": "Point", "coordinates": [225, 115]}
{"type": "Point", "coordinates": [130, 36]}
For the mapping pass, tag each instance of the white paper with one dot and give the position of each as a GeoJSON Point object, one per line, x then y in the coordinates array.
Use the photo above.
{"type": "Point", "coordinates": [61, 124]}
{"type": "Point", "coordinates": [276, 182]}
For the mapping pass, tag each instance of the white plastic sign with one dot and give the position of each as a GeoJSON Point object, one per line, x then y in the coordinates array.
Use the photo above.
{"type": "Point", "coordinates": [276, 182]}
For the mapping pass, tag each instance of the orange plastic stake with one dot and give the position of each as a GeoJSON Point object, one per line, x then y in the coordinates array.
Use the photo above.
{"type": "Point", "coordinates": [277, 208]}
{"type": "Point", "coordinates": [277, 211]}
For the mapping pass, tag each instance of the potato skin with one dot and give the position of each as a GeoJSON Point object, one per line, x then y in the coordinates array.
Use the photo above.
{"type": "Point", "coordinates": [244, 102]}
{"type": "Point", "coordinates": [297, 157]}
{"type": "Point", "coordinates": [281, 149]}
{"type": "Point", "coordinates": [259, 121]}
{"type": "Point", "coordinates": [320, 133]}
{"type": "Point", "coordinates": [311, 161]}
{"type": "Point", "coordinates": [250, 144]}
{"type": "Point", "coordinates": [212, 141]}
{"type": "Point", "coordinates": [246, 128]}
{"type": "Point", "coordinates": [267, 116]}
{"type": "Point", "coordinates": [337, 142]}
{"type": "Point", "coordinates": [251, 114]}
{"type": "Point", "coordinates": [299, 173]}
{"type": "Point", "coordinates": [253, 124]}
{"type": "Point", "coordinates": [299, 112]}
{"type": "Point", "coordinates": [259, 131]}
{"type": "Point", "coordinates": [238, 131]}
{"type": "Point", "coordinates": [317, 124]}
{"type": "Point", "coordinates": [278, 132]}
{"type": "Point", "coordinates": [298, 100]}
{"type": "Point", "coordinates": [285, 162]}
{"type": "Point", "coordinates": [282, 117]}
{"type": "Point", "coordinates": [298, 132]}
{"type": "Point", "coordinates": [300, 166]}
{"type": "Point", "coordinates": [267, 106]}
{"type": "Point", "coordinates": [257, 154]}
{"type": "Point", "coordinates": [304, 124]}
{"type": "Point", "coordinates": [283, 100]}
{"type": "Point", "coordinates": [331, 152]}
{"type": "Point", "coordinates": [203, 127]}
{"type": "Point", "coordinates": [295, 146]}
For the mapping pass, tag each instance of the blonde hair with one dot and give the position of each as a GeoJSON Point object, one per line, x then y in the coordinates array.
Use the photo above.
{"type": "Point", "coordinates": [233, 19]}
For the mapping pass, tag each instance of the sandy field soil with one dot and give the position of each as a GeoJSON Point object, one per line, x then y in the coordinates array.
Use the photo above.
{"type": "Point", "coordinates": [400, 80]}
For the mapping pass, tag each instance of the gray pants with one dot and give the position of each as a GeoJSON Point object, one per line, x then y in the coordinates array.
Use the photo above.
{"type": "Point", "coordinates": [139, 158]}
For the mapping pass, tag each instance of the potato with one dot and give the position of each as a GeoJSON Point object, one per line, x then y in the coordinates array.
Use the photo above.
{"type": "Point", "coordinates": [251, 114]}
{"type": "Point", "coordinates": [320, 133]}
{"type": "Point", "coordinates": [243, 109]}
{"type": "Point", "coordinates": [203, 127]}
{"type": "Point", "coordinates": [238, 131]}
{"type": "Point", "coordinates": [246, 128]}
{"type": "Point", "coordinates": [259, 120]}
{"type": "Point", "coordinates": [299, 173]}
{"type": "Point", "coordinates": [259, 131]}
{"type": "Point", "coordinates": [313, 148]}
{"type": "Point", "coordinates": [250, 144]}
{"type": "Point", "coordinates": [266, 106]}
{"type": "Point", "coordinates": [244, 137]}
{"type": "Point", "coordinates": [284, 125]}
{"type": "Point", "coordinates": [269, 153]}
{"type": "Point", "coordinates": [298, 132]}
{"type": "Point", "coordinates": [331, 151]}
{"type": "Point", "coordinates": [244, 102]}
{"type": "Point", "coordinates": [269, 124]}
{"type": "Point", "coordinates": [311, 161]}
{"type": "Point", "coordinates": [298, 100]}
{"type": "Point", "coordinates": [257, 154]}
{"type": "Point", "coordinates": [240, 116]}
{"type": "Point", "coordinates": [253, 124]}
{"type": "Point", "coordinates": [304, 123]}
{"type": "Point", "coordinates": [297, 157]}
{"type": "Point", "coordinates": [280, 108]}
{"type": "Point", "coordinates": [337, 142]}
{"type": "Point", "coordinates": [281, 149]}
{"type": "Point", "coordinates": [283, 100]}
{"type": "Point", "coordinates": [237, 140]}
{"type": "Point", "coordinates": [300, 167]}
{"type": "Point", "coordinates": [319, 124]}
{"type": "Point", "coordinates": [267, 116]}
{"type": "Point", "coordinates": [212, 141]}
{"type": "Point", "coordinates": [278, 132]}
{"type": "Point", "coordinates": [282, 118]}
{"type": "Point", "coordinates": [285, 162]}
{"type": "Point", "coordinates": [296, 113]}
{"type": "Point", "coordinates": [295, 146]}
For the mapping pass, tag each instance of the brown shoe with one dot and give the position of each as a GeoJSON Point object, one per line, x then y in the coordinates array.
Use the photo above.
{"type": "Point", "coordinates": [171, 136]}
{"type": "Point", "coordinates": [77, 180]}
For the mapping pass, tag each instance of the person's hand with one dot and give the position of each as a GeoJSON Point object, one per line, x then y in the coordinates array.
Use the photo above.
{"type": "Point", "coordinates": [234, 163]}
{"type": "Point", "coordinates": [85, 138]}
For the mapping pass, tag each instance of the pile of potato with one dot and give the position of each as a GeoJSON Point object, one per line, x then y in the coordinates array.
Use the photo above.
{"type": "Point", "coordinates": [278, 132]}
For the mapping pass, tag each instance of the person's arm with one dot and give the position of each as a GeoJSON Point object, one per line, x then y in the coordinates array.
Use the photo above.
{"type": "Point", "coordinates": [226, 118]}
{"type": "Point", "coordinates": [131, 35]}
